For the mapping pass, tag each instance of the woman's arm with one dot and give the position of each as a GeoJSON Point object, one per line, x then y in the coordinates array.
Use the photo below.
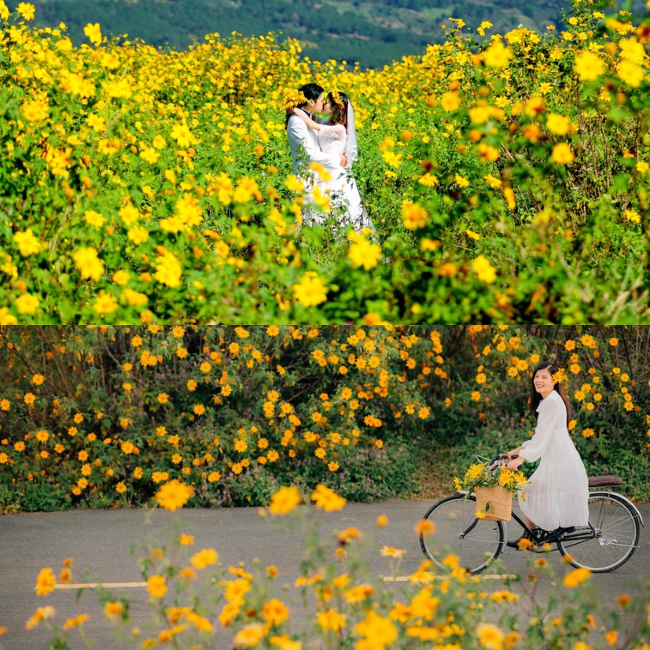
{"type": "Point", "coordinates": [309, 122]}
{"type": "Point", "coordinates": [515, 452]}
{"type": "Point", "coordinates": [299, 138]}
{"type": "Point", "coordinates": [547, 419]}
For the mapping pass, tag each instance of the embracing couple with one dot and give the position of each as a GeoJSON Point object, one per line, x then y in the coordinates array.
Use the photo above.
{"type": "Point", "coordinates": [331, 143]}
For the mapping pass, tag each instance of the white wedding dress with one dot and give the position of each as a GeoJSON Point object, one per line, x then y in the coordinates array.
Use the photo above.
{"type": "Point", "coordinates": [559, 487]}
{"type": "Point", "coordinates": [342, 187]}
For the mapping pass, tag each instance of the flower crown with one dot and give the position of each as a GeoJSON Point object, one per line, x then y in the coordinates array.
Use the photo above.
{"type": "Point", "coordinates": [293, 98]}
{"type": "Point", "coordinates": [337, 99]}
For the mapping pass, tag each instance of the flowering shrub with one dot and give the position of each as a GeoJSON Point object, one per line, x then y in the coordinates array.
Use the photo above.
{"type": "Point", "coordinates": [604, 371]}
{"type": "Point", "coordinates": [101, 416]}
{"type": "Point", "coordinates": [196, 602]}
{"type": "Point", "coordinates": [507, 178]}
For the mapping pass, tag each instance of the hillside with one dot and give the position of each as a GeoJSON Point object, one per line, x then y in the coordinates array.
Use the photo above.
{"type": "Point", "coordinates": [373, 33]}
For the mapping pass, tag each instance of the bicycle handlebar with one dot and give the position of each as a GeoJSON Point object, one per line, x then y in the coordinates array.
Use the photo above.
{"type": "Point", "coordinates": [499, 457]}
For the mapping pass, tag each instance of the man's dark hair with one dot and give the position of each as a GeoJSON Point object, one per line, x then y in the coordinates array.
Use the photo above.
{"type": "Point", "coordinates": [311, 91]}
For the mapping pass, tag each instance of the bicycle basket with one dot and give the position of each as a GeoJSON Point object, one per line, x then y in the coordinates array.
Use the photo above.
{"type": "Point", "coordinates": [496, 502]}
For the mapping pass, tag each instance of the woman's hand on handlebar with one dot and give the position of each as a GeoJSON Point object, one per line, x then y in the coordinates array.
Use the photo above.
{"type": "Point", "coordinates": [515, 462]}
{"type": "Point", "coordinates": [514, 458]}
{"type": "Point", "coordinates": [512, 454]}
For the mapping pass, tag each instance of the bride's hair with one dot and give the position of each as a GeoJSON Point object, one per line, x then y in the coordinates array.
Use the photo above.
{"type": "Point", "coordinates": [339, 109]}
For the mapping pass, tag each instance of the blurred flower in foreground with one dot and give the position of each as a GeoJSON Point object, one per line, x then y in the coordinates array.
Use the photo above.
{"type": "Point", "coordinates": [45, 582]}
{"type": "Point", "coordinates": [284, 500]}
{"type": "Point", "coordinates": [174, 495]}
{"type": "Point", "coordinates": [327, 499]}
{"type": "Point", "coordinates": [39, 615]}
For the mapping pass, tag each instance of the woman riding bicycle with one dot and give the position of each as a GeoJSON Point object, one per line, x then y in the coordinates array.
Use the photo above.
{"type": "Point", "coordinates": [556, 499]}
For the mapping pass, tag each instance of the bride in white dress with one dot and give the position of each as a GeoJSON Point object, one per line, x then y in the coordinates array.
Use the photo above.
{"type": "Point", "coordinates": [338, 136]}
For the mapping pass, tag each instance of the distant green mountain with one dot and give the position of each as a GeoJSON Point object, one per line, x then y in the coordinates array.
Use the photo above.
{"type": "Point", "coordinates": [373, 33]}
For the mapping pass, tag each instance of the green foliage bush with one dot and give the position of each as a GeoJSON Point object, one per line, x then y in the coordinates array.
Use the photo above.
{"type": "Point", "coordinates": [99, 417]}
{"type": "Point", "coordinates": [95, 417]}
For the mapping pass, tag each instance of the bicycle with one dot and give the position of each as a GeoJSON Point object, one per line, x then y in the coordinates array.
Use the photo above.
{"type": "Point", "coordinates": [605, 544]}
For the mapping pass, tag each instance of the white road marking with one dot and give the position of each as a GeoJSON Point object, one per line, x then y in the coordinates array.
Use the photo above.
{"type": "Point", "coordinates": [94, 585]}
{"type": "Point", "coordinates": [116, 585]}
{"type": "Point", "coordinates": [494, 576]}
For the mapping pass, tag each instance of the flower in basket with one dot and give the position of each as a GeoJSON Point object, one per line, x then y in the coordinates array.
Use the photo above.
{"type": "Point", "coordinates": [494, 488]}
{"type": "Point", "coordinates": [511, 480]}
{"type": "Point", "coordinates": [478, 476]}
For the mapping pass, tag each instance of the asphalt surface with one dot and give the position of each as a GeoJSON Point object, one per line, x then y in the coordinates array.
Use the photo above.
{"type": "Point", "coordinates": [101, 542]}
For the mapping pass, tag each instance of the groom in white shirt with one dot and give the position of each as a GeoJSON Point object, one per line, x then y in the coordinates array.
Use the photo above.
{"type": "Point", "coordinates": [303, 141]}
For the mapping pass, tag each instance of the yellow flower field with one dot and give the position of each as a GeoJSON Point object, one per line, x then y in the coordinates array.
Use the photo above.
{"type": "Point", "coordinates": [507, 177]}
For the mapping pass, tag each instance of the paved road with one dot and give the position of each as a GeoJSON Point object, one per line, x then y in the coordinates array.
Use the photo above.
{"type": "Point", "coordinates": [101, 541]}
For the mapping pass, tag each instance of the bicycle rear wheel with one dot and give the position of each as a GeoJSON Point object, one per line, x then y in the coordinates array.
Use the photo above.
{"type": "Point", "coordinates": [610, 539]}
{"type": "Point", "coordinates": [476, 542]}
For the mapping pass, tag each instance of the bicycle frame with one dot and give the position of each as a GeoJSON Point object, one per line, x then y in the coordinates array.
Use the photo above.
{"type": "Point", "coordinates": [578, 545]}
{"type": "Point", "coordinates": [578, 536]}
{"type": "Point", "coordinates": [515, 517]}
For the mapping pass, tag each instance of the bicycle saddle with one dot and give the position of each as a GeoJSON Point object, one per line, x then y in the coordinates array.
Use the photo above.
{"type": "Point", "coordinates": [605, 481]}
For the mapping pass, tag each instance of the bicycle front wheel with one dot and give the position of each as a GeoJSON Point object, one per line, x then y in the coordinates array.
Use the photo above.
{"type": "Point", "coordinates": [476, 542]}
{"type": "Point", "coordinates": [610, 539]}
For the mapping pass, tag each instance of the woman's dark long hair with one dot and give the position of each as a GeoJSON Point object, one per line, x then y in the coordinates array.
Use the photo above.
{"type": "Point", "coordinates": [339, 114]}
{"type": "Point", "coordinates": [536, 398]}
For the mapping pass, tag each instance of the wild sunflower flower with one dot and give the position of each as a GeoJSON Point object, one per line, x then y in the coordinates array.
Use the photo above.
{"type": "Point", "coordinates": [285, 500]}
{"type": "Point", "coordinates": [174, 495]}
{"type": "Point", "coordinates": [45, 582]}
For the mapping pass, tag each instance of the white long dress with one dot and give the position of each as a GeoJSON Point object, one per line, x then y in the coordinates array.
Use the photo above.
{"type": "Point", "coordinates": [559, 489]}
{"type": "Point", "coordinates": [342, 186]}
{"type": "Point", "coordinates": [305, 149]}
